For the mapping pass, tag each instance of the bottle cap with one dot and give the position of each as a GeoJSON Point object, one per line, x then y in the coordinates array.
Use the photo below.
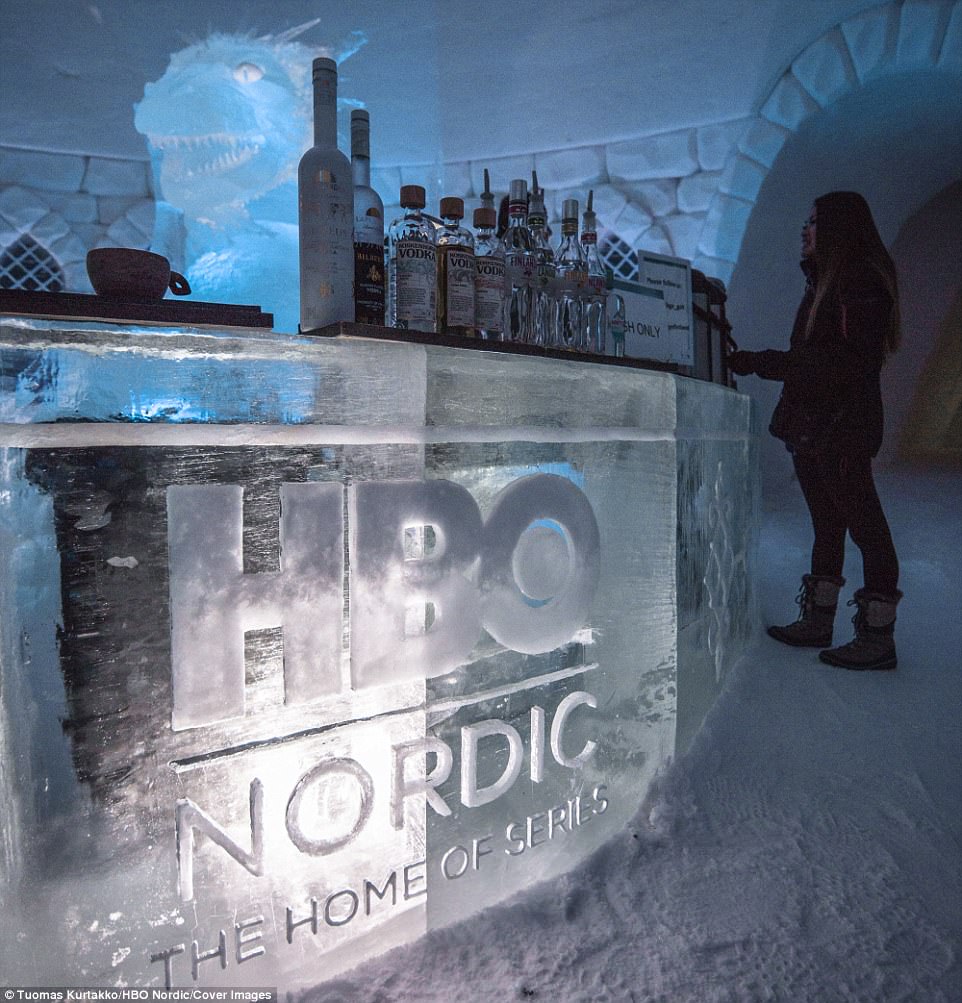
{"type": "Point", "coordinates": [518, 191]}
{"type": "Point", "coordinates": [452, 206]}
{"type": "Point", "coordinates": [412, 197]}
{"type": "Point", "coordinates": [485, 216]}
{"type": "Point", "coordinates": [360, 133]}
{"type": "Point", "coordinates": [570, 209]}
{"type": "Point", "coordinates": [323, 64]}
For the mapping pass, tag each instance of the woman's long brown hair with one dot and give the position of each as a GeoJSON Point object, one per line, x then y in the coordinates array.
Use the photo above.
{"type": "Point", "coordinates": [846, 237]}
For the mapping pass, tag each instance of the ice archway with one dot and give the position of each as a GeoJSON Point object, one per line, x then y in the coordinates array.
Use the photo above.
{"type": "Point", "coordinates": [898, 38]}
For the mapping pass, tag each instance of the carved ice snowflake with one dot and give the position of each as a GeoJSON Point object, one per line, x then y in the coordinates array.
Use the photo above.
{"type": "Point", "coordinates": [721, 569]}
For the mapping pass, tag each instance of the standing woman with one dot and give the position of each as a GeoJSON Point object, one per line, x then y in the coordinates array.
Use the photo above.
{"type": "Point", "coordinates": [830, 419]}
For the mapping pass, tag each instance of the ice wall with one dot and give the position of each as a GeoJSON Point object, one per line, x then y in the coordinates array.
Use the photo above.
{"type": "Point", "coordinates": [349, 639]}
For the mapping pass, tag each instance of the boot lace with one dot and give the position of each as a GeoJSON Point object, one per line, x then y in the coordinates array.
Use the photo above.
{"type": "Point", "coordinates": [804, 600]}
{"type": "Point", "coordinates": [859, 618]}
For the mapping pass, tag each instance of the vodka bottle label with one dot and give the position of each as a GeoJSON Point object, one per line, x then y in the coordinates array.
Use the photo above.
{"type": "Point", "coordinates": [368, 226]}
{"type": "Point", "coordinates": [369, 283]}
{"type": "Point", "coordinates": [596, 286]}
{"type": "Point", "coordinates": [519, 266]}
{"type": "Point", "coordinates": [547, 275]}
{"type": "Point", "coordinates": [416, 278]}
{"type": "Point", "coordinates": [489, 292]}
{"type": "Point", "coordinates": [549, 283]}
{"type": "Point", "coordinates": [459, 274]}
{"type": "Point", "coordinates": [573, 281]}
{"type": "Point", "coordinates": [326, 209]}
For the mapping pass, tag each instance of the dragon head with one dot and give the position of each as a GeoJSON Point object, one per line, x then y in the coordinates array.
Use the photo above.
{"type": "Point", "coordinates": [229, 119]}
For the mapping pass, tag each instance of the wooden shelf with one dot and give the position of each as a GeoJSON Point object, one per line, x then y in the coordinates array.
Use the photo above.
{"type": "Point", "coordinates": [80, 306]}
{"type": "Point", "coordinates": [350, 330]}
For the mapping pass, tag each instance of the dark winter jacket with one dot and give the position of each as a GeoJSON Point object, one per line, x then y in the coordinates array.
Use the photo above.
{"type": "Point", "coordinates": [832, 397]}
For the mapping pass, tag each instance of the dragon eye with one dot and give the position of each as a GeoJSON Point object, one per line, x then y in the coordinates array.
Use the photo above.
{"type": "Point", "coordinates": [247, 73]}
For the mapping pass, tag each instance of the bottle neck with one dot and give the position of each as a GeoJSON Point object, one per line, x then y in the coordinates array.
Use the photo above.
{"type": "Point", "coordinates": [325, 109]}
{"type": "Point", "coordinates": [361, 170]}
{"type": "Point", "coordinates": [517, 213]}
{"type": "Point", "coordinates": [570, 248]}
{"type": "Point", "coordinates": [569, 228]}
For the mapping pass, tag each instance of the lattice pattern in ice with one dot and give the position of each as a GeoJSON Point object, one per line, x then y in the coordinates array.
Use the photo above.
{"type": "Point", "coordinates": [618, 256]}
{"type": "Point", "coordinates": [26, 264]}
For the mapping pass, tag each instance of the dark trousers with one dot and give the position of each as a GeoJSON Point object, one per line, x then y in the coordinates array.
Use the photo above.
{"type": "Point", "coordinates": [840, 492]}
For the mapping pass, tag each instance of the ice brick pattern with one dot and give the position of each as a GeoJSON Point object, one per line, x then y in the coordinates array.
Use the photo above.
{"type": "Point", "coordinates": [687, 192]}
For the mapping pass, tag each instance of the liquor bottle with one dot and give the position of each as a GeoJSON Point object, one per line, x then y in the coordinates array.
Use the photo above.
{"type": "Point", "coordinates": [596, 299]}
{"type": "Point", "coordinates": [545, 300]}
{"type": "Point", "coordinates": [519, 268]}
{"type": "Point", "coordinates": [572, 281]}
{"type": "Point", "coordinates": [489, 284]}
{"type": "Point", "coordinates": [456, 272]}
{"type": "Point", "coordinates": [412, 266]}
{"type": "Point", "coordinates": [368, 227]}
{"type": "Point", "coordinates": [617, 320]}
{"type": "Point", "coordinates": [325, 213]}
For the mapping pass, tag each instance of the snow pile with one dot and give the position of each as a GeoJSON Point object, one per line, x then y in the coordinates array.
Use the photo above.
{"type": "Point", "coordinates": [806, 848]}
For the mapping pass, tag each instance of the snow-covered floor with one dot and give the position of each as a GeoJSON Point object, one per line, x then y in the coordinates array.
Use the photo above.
{"type": "Point", "coordinates": [807, 849]}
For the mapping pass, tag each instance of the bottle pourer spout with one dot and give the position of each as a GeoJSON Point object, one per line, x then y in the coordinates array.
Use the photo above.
{"type": "Point", "coordinates": [487, 197]}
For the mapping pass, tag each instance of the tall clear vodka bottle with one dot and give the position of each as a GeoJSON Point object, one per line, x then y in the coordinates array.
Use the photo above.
{"type": "Point", "coordinates": [572, 281]}
{"type": "Point", "coordinates": [325, 213]}
{"type": "Point", "coordinates": [546, 274]}
{"type": "Point", "coordinates": [456, 272]}
{"type": "Point", "coordinates": [489, 283]}
{"type": "Point", "coordinates": [368, 227]}
{"type": "Point", "coordinates": [519, 268]}
{"type": "Point", "coordinates": [596, 300]}
{"type": "Point", "coordinates": [412, 266]}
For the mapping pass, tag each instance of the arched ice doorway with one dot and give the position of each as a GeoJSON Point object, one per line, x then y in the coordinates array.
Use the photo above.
{"type": "Point", "coordinates": [924, 391]}
{"type": "Point", "coordinates": [898, 140]}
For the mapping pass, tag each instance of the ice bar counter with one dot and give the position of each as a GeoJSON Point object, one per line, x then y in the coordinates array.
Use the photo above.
{"type": "Point", "coordinates": [311, 645]}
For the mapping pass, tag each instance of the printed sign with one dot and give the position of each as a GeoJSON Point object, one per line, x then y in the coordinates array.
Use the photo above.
{"type": "Point", "coordinates": [646, 320]}
{"type": "Point", "coordinates": [672, 278]}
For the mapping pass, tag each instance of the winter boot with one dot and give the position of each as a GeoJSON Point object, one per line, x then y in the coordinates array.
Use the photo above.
{"type": "Point", "coordinates": [874, 643]}
{"type": "Point", "coordinates": [817, 599]}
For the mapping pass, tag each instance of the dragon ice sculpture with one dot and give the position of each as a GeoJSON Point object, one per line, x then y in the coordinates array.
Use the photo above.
{"type": "Point", "coordinates": [226, 126]}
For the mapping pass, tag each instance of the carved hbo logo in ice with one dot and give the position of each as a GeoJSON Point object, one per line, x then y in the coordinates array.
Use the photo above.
{"type": "Point", "coordinates": [425, 574]}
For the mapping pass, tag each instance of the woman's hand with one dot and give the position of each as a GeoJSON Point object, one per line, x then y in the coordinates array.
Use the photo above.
{"type": "Point", "coordinates": [742, 363]}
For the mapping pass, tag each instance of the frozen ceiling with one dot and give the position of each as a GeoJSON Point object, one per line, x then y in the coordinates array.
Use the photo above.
{"type": "Point", "coordinates": [452, 80]}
